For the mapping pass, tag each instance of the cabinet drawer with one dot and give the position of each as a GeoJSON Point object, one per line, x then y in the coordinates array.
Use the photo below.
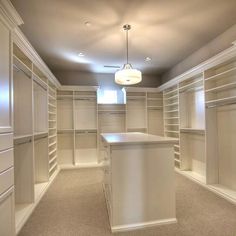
{"type": "Point", "coordinates": [7, 224]}
{"type": "Point", "coordinates": [6, 141]}
{"type": "Point", "coordinates": [6, 180]}
{"type": "Point", "coordinates": [6, 159]}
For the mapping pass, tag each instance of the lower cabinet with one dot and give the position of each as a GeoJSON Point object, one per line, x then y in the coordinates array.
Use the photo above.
{"type": "Point", "coordinates": [7, 216]}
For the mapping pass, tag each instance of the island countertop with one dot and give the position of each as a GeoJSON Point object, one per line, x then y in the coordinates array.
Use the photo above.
{"type": "Point", "coordinates": [136, 138]}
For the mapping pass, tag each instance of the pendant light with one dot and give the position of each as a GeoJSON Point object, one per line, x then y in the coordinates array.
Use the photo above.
{"type": "Point", "coordinates": [127, 75]}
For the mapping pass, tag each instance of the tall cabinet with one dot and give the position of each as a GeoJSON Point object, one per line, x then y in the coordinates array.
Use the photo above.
{"type": "Point", "coordinates": [7, 24]}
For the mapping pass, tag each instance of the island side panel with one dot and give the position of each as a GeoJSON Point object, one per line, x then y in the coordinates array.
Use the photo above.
{"type": "Point", "coordinates": [143, 189]}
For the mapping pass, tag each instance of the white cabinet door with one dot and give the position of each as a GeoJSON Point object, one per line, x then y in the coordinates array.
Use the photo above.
{"type": "Point", "coordinates": [7, 223]}
{"type": "Point", "coordinates": [5, 80]}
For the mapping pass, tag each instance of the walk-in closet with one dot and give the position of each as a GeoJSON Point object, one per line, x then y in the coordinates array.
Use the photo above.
{"type": "Point", "coordinates": [117, 117]}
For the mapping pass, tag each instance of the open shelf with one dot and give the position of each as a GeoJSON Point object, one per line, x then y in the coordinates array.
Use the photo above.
{"type": "Point", "coordinates": [171, 112]}
{"type": "Point", "coordinates": [40, 106]}
{"type": "Point", "coordinates": [65, 150]}
{"type": "Point", "coordinates": [24, 178]}
{"type": "Point", "coordinates": [41, 169]}
{"type": "Point", "coordinates": [220, 84]}
{"type": "Point", "coordinates": [85, 147]}
{"type": "Point", "coordinates": [136, 111]}
{"type": "Point", "coordinates": [193, 159]}
{"type": "Point", "coordinates": [85, 110]}
{"type": "Point", "coordinates": [23, 109]}
{"type": "Point", "coordinates": [65, 114]}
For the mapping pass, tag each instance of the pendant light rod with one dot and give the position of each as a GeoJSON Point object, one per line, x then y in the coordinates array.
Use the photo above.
{"type": "Point", "coordinates": [127, 28]}
{"type": "Point", "coordinates": [127, 75]}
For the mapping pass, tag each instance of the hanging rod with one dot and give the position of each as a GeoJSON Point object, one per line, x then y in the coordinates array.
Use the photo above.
{"type": "Point", "coordinates": [19, 69]}
{"type": "Point", "coordinates": [22, 141]}
{"type": "Point", "coordinates": [221, 104]}
{"type": "Point", "coordinates": [37, 137]}
{"type": "Point", "coordinates": [35, 80]}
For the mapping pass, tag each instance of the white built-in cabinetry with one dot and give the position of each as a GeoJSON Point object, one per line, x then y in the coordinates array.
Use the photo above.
{"type": "Point", "coordinates": [8, 22]}
{"type": "Point", "coordinates": [77, 126]}
{"type": "Point", "coordinates": [81, 121]}
{"type": "Point", "coordinates": [199, 109]}
{"type": "Point", "coordinates": [35, 157]}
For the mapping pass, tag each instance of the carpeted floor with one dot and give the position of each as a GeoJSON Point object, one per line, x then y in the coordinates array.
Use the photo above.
{"type": "Point", "coordinates": [75, 206]}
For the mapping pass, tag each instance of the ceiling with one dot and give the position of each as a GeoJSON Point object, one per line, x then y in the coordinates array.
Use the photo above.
{"type": "Point", "coordinates": [165, 30]}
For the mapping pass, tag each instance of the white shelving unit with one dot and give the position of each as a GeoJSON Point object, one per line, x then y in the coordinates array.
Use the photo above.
{"type": "Point", "coordinates": [192, 127]}
{"type": "Point", "coordinates": [111, 119]}
{"type": "Point", "coordinates": [207, 102]}
{"type": "Point", "coordinates": [85, 123]}
{"type": "Point", "coordinates": [136, 111]}
{"type": "Point", "coordinates": [220, 92]}
{"type": "Point", "coordinates": [34, 135]}
{"type": "Point", "coordinates": [52, 125]}
{"type": "Point", "coordinates": [77, 126]}
{"type": "Point", "coordinates": [155, 124]}
{"type": "Point", "coordinates": [172, 118]}
{"type": "Point", "coordinates": [24, 178]}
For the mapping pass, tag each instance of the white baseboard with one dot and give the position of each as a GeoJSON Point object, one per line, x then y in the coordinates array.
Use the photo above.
{"type": "Point", "coordinates": [210, 188]}
{"type": "Point", "coordinates": [81, 166]}
{"type": "Point", "coordinates": [142, 225]}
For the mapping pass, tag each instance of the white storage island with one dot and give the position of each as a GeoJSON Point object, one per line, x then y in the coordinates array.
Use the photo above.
{"type": "Point", "coordinates": [139, 180]}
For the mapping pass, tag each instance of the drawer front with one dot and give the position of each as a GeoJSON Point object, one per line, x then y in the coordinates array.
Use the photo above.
{"type": "Point", "coordinates": [6, 141]}
{"type": "Point", "coordinates": [6, 159]}
{"type": "Point", "coordinates": [6, 180]}
{"type": "Point", "coordinates": [7, 224]}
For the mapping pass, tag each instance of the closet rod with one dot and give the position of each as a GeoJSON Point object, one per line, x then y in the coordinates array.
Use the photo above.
{"type": "Point", "coordinates": [192, 89]}
{"type": "Point", "coordinates": [19, 69]}
{"type": "Point", "coordinates": [221, 104]}
{"type": "Point", "coordinates": [35, 80]}
{"type": "Point", "coordinates": [40, 137]}
{"type": "Point", "coordinates": [23, 142]}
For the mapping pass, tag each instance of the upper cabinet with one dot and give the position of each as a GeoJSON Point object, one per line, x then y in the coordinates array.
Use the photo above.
{"type": "Point", "coordinates": [9, 19]}
{"type": "Point", "coordinates": [5, 80]}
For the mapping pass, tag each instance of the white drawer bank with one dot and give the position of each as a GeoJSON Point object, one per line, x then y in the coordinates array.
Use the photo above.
{"type": "Point", "coordinates": [139, 180]}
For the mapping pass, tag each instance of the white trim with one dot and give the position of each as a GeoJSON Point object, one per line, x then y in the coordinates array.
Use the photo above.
{"type": "Point", "coordinates": [136, 226]}
{"type": "Point", "coordinates": [140, 89]}
{"type": "Point", "coordinates": [80, 166]}
{"type": "Point", "coordinates": [208, 187]}
{"type": "Point", "coordinates": [22, 42]}
{"type": "Point", "coordinates": [34, 205]}
{"type": "Point", "coordinates": [213, 61]}
{"type": "Point", "coordinates": [10, 14]}
{"type": "Point", "coordinates": [78, 88]}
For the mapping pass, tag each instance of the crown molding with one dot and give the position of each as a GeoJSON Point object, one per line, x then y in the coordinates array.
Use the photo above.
{"type": "Point", "coordinates": [78, 88]}
{"type": "Point", "coordinates": [22, 42]}
{"type": "Point", "coordinates": [9, 14]}
{"type": "Point", "coordinates": [213, 61]}
{"type": "Point", "coordinates": [140, 89]}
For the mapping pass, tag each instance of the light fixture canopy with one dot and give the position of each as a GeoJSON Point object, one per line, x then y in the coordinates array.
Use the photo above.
{"type": "Point", "coordinates": [127, 75]}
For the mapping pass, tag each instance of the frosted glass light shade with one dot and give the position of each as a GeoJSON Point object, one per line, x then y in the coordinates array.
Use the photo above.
{"type": "Point", "coordinates": [128, 76]}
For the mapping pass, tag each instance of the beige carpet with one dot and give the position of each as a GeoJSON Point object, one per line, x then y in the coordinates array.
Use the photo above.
{"type": "Point", "coordinates": [75, 206]}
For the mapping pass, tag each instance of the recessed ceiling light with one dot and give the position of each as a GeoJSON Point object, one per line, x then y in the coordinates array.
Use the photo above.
{"type": "Point", "coordinates": [87, 23]}
{"type": "Point", "coordinates": [148, 59]}
{"type": "Point", "coordinates": [80, 54]}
